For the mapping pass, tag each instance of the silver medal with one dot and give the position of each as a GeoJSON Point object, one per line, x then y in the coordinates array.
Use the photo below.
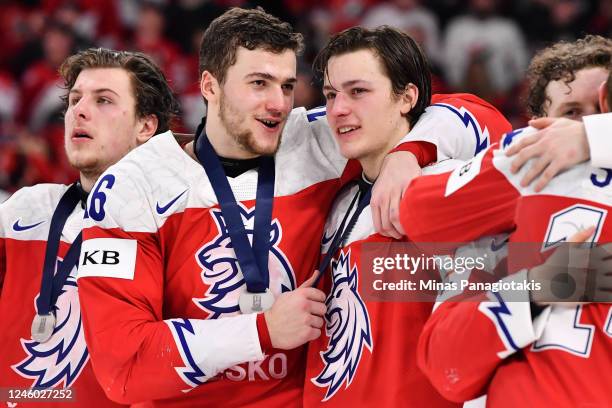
{"type": "Point", "coordinates": [42, 327]}
{"type": "Point", "coordinates": [255, 302]}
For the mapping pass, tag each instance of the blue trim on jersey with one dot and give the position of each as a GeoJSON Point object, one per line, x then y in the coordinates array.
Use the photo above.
{"type": "Point", "coordinates": [509, 137]}
{"type": "Point", "coordinates": [315, 113]}
{"type": "Point", "coordinates": [576, 326]}
{"type": "Point", "coordinates": [468, 121]}
{"type": "Point", "coordinates": [497, 312]}
{"type": "Point", "coordinates": [180, 325]}
{"type": "Point", "coordinates": [550, 244]}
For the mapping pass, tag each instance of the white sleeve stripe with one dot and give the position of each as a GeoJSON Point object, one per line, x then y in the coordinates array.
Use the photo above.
{"type": "Point", "coordinates": [208, 347]}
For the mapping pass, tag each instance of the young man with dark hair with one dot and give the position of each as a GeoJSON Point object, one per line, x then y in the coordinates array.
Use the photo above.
{"type": "Point", "coordinates": [554, 353]}
{"type": "Point", "coordinates": [215, 244]}
{"type": "Point", "coordinates": [377, 86]}
{"type": "Point", "coordinates": [115, 101]}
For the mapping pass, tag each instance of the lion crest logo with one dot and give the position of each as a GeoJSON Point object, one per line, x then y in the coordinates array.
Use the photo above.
{"type": "Point", "coordinates": [61, 359]}
{"type": "Point", "coordinates": [221, 271]}
{"type": "Point", "coordinates": [347, 325]}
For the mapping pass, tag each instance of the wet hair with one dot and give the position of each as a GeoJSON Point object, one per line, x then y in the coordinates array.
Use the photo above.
{"type": "Point", "coordinates": [151, 89]}
{"type": "Point", "coordinates": [402, 59]}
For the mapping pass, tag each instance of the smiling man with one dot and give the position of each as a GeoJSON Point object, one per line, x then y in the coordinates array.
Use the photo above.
{"type": "Point", "coordinates": [202, 257]}
{"type": "Point", "coordinates": [377, 88]}
{"type": "Point", "coordinates": [115, 101]}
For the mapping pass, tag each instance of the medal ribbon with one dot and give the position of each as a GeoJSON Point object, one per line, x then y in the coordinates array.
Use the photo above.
{"type": "Point", "coordinates": [342, 233]}
{"type": "Point", "coordinates": [52, 283]}
{"type": "Point", "coordinates": [253, 260]}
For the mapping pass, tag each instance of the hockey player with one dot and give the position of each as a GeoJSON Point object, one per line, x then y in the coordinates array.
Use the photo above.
{"type": "Point", "coordinates": [572, 73]}
{"type": "Point", "coordinates": [174, 294]}
{"type": "Point", "coordinates": [114, 102]}
{"type": "Point", "coordinates": [518, 353]}
{"type": "Point", "coordinates": [376, 83]}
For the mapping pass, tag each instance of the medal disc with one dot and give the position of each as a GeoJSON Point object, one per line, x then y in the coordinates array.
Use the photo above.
{"type": "Point", "coordinates": [255, 302]}
{"type": "Point", "coordinates": [42, 327]}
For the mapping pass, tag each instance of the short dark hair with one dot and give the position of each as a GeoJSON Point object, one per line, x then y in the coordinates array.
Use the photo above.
{"type": "Point", "coordinates": [560, 62]}
{"type": "Point", "coordinates": [247, 28]}
{"type": "Point", "coordinates": [402, 59]}
{"type": "Point", "coordinates": [151, 90]}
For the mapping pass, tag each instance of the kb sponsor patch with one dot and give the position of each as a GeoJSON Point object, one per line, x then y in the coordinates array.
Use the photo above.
{"type": "Point", "coordinates": [108, 257]}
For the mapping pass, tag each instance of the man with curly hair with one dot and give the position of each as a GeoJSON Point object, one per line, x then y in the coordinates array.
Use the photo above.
{"type": "Point", "coordinates": [563, 79]}
{"type": "Point", "coordinates": [573, 74]}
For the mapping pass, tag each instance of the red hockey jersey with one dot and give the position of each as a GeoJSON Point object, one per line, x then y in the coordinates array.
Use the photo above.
{"type": "Point", "coordinates": [493, 346]}
{"type": "Point", "coordinates": [367, 356]}
{"type": "Point", "coordinates": [159, 280]}
{"type": "Point", "coordinates": [63, 360]}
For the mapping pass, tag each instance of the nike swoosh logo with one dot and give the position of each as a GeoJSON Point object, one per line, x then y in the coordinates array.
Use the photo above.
{"type": "Point", "coordinates": [496, 247]}
{"type": "Point", "coordinates": [161, 209]}
{"type": "Point", "coordinates": [325, 240]}
{"type": "Point", "coordinates": [19, 228]}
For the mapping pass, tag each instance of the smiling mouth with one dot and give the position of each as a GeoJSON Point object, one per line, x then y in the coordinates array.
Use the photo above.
{"type": "Point", "coordinates": [344, 130]}
{"type": "Point", "coordinates": [270, 124]}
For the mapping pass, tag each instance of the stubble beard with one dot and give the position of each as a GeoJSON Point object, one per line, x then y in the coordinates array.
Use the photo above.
{"type": "Point", "coordinates": [232, 121]}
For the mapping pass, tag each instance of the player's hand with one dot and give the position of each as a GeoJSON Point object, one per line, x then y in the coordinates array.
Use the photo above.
{"type": "Point", "coordinates": [398, 170]}
{"type": "Point", "coordinates": [574, 273]}
{"type": "Point", "coordinates": [559, 144]}
{"type": "Point", "coordinates": [296, 317]}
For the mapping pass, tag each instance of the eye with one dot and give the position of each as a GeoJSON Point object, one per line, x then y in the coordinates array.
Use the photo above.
{"type": "Point", "coordinates": [259, 83]}
{"type": "Point", "coordinates": [330, 96]}
{"type": "Point", "coordinates": [358, 91]}
{"type": "Point", "coordinates": [73, 101]}
{"type": "Point", "coordinates": [288, 87]}
{"type": "Point", "coordinates": [103, 100]}
{"type": "Point", "coordinates": [572, 114]}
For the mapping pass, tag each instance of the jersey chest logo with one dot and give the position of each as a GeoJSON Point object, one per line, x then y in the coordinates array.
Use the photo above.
{"type": "Point", "coordinates": [61, 359]}
{"type": "Point", "coordinates": [221, 271]}
{"type": "Point", "coordinates": [347, 325]}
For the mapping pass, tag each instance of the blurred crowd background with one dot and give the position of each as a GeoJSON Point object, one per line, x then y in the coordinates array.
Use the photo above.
{"type": "Point", "coordinates": [478, 46]}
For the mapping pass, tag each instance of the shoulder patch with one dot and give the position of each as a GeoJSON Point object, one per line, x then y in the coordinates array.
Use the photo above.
{"type": "Point", "coordinates": [462, 175]}
{"type": "Point", "coordinates": [108, 258]}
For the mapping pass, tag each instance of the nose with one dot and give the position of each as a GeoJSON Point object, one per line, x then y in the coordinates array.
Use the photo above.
{"type": "Point", "coordinates": [278, 101]}
{"type": "Point", "coordinates": [81, 109]}
{"type": "Point", "coordinates": [338, 106]}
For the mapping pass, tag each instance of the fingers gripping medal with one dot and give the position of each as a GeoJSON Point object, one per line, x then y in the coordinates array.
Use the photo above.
{"type": "Point", "coordinates": [255, 302]}
{"type": "Point", "coordinates": [42, 327]}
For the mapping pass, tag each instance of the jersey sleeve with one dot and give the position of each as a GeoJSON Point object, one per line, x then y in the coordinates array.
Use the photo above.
{"type": "Point", "coordinates": [598, 135]}
{"type": "Point", "coordinates": [472, 201]}
{"type": "Point", "coordinates": [463, 343]}
{"type": "Point", "coordinates": [138, 355]}
{"type": "Point", "coordinates": [459, 206]}
{"type": "Point", "coordinates": [459, 125]}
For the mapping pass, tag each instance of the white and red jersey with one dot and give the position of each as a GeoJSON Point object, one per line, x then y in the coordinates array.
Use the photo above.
{"type": "Point", "coordinates": [160, 282]}
{"type": "Point", "coordinates": [367, 354]}
{"type": "Point", "coordinates": [494, 346]}
{"type": "Point", "coordinates": [63, 360]}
